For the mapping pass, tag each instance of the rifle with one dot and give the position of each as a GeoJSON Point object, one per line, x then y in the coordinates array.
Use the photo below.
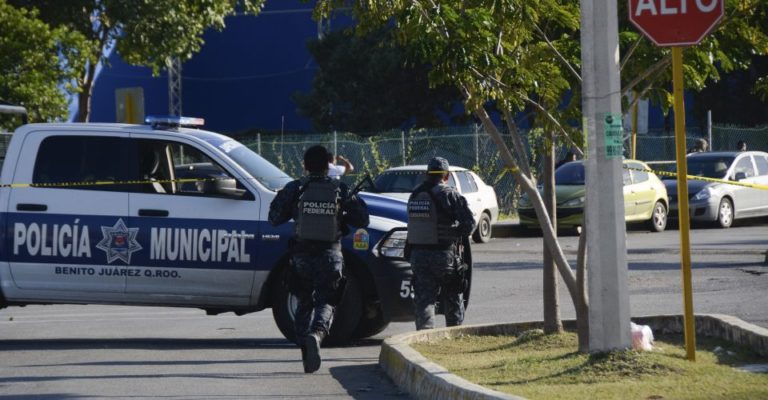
{"type": "Point", "coordinates": [462, 259]}
{"type": "Point", "coordinates": [359, 186]}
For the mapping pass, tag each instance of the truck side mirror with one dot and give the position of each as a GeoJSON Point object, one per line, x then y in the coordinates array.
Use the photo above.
{"type": "Point", "coordinates": [224, 187]}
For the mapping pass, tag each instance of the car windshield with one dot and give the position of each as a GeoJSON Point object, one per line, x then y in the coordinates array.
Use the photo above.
{"type": "Point", "coordinates": [709, 167]}
{"type": "Point", "coordinates": [399, 181]}
{"type": "Point", "coordinates": [571, 173]}
{"type": "Point", "coordinates": [264, 171]}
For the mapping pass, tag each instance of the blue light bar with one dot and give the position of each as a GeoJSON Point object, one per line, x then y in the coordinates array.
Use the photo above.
{"type": "Point", "coordinates": [170, 121]}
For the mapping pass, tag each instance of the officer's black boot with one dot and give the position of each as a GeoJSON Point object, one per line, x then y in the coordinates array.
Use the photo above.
{"type": "Point", "coordinates": [312, 352]}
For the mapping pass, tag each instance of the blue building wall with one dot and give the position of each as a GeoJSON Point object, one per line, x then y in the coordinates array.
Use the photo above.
{"type": "Point", "coordinates": [242, 78]}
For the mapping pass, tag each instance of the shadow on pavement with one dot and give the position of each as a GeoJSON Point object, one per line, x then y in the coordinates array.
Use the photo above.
{"type": "Point", "coordinates": [141, 344]}
{"type": "Point", "coordinates": [366, 382]}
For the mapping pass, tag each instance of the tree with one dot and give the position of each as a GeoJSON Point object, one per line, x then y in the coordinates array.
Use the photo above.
{"type": "Point", "coordinates": [367, 84]}
{"type": "Point", "coordinates": [736, 41]}
{"type": "Point", "coordinates": [36, 62]}
{"type": "Point", "coordinates": [746, 105]}
{"type": "Point", "coordinates": [146, 33]}
{"type": "Point", "coordinates": [524, 53]}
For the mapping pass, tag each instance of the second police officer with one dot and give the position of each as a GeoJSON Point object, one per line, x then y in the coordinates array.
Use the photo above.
{"type": "Point", "coordinates": [438, 221]}
{"type": "Point", "coordinates": [321, 208]}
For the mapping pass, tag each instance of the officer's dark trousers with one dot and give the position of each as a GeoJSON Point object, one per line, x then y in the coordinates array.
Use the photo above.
{"type": "Point", "coordinates": [435, 273]}
{"type": "Point", "coordinates": [317, 276]}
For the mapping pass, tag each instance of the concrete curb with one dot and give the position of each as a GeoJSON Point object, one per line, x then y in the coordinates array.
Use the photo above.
{"type": "Point", "coordinates": [424, 379]}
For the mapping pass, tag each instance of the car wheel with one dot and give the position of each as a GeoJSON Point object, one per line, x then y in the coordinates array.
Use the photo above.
{"type": "Point", "coordinates": [725, 213]}
{"type": "Point", "coordinates": [345, 320]}
{"type": "Point", "coordinates": [483, 231]}
{"type": "Point", "coordinates": [658, 221]}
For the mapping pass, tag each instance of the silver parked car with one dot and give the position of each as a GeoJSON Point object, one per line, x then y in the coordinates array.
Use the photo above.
{"type": "Point", "coordinates": [720, 202]}
{"type": "Point", "coordinates": [399, 182]}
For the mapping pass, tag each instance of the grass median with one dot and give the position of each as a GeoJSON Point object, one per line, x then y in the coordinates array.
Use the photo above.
{"type": "Point", "coordinates": [539, 366]}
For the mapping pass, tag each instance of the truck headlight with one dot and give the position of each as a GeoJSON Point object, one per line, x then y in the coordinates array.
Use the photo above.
{"type": "Point", "coordinates": [394, 244]}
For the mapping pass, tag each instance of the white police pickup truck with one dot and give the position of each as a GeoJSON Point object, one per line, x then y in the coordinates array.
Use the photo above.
{"type": "Point", "coordinates": [163, 215]}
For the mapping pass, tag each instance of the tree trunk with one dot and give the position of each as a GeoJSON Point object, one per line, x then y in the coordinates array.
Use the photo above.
{"type": "Point", "coordinates": [552, 322]}
{"type": "Point", "coordinates": [529, 187]}
{"type": "Point", "coordinates": [582, 307]}
{"type": "Point", "coordinates": [84, 99]}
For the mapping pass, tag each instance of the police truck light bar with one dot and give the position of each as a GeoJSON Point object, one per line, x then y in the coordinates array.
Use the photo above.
{"type": "Point", "coordinates": [173, 121]}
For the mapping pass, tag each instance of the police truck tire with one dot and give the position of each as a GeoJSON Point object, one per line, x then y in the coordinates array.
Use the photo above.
{"type": "Point", "coordinates": [345, 320]}
{"type": "Point", "coordinates": [371, 323]}
{"type": "Point", "coordinates": [483, 231]}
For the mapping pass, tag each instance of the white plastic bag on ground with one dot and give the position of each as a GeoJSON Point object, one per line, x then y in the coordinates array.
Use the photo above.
{"type": "Point", "coordinates": [642, 337]}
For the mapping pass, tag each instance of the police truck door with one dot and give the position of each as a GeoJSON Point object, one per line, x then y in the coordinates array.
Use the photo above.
{"type": "Point", "coordinates": [69, 236]}
{"type": "Point", "coordinates": [198, 222]}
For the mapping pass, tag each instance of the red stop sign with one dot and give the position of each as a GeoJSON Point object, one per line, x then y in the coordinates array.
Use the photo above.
{"type": "Point", "coordinates": [675, 22]}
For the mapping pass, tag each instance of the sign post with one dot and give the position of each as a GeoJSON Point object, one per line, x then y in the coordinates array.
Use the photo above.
{"type": "Point", "coordinates": [678, 23]}
{"type": "Point", "coordinates": [609, 314]}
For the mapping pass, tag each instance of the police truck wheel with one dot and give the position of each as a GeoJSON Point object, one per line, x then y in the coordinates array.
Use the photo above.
{"type": "Point", "coordinates": [348, 314]}
{"type": "Point", "coordinates": [483, 232]}
{"type": "Point", "coordinates": [345, 321]}
{"type": "Point", "coordinates": [371, 323]}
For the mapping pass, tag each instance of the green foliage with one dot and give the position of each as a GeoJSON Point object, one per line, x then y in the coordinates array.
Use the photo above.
{"type": "Point", "coordinates": [367, 84]}
{"type": "Point", "coordinates": [493, 51]}
{"type": "Point", "coordinates": [146, 33]}
{"type": "Point", "coordinates": [36, 62]}
{"type": "Point", "coordinates": [761, 88]}
{"type": "Point", "coordinates": [741, 35]}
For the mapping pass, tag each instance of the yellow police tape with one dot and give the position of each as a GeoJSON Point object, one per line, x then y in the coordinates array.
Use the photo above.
{"type": "Point", "coordinates": [194, 180]}
{"type": "Point", "coordinates": [101, 183]}
{"type": "Point", "coordinates": [703, 178]}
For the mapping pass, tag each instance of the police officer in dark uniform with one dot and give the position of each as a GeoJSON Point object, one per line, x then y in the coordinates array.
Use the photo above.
{"type": "Point", "coordinates": [438, 219]}
{"type": "Point", "coordinates": [321, 208]}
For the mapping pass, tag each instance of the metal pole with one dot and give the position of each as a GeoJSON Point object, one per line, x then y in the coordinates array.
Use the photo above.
{"type": "Point", "coordinates": [477, 145]}
{"type": "Point", "coordinates": [609, 324]}
{"type": "Point", "coordinates": [709, 130]}
{"type": "Point", "coordinates": [402, 145]}
{"type": "Point", "coordinates": [634, 124]}
{"type": "Point", "coordinates": [258, 142]}
{"type": "Point", "coordinates": [282, 134]}
{"type": "Point", "coordinates": [682, 200]}
{"type": "Point", "coordinates": [335, 146]}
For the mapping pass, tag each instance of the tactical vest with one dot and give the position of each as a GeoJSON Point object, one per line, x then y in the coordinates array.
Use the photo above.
{"type": "Point", "coordinates": [427, 224]}
{"type": "Point", "coordinates": [318, 211]}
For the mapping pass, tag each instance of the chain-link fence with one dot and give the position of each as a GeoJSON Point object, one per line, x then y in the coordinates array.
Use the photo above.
{"type": "Point", "coordinates": [660, 146]}
{"type": "Point", "coordinates": [468, 147]}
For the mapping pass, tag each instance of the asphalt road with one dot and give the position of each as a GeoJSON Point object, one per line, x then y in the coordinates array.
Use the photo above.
{"type": "Point", "coordinates": [74, 352]}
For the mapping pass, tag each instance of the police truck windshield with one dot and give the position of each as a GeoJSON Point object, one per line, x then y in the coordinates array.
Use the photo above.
{"type": "Point", "coordinates": [262, 170]}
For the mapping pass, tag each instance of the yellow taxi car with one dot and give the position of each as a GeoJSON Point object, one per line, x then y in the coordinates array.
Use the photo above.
{"type": "Point", "coordinates": [645, 197]}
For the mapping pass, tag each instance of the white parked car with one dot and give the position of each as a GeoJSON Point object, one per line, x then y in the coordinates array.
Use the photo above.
{"type": "Point", "coordinates": [399, 182]}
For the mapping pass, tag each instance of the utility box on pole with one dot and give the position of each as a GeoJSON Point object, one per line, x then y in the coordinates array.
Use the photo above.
{"type": "Point", "coordinates": [609, 323]}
